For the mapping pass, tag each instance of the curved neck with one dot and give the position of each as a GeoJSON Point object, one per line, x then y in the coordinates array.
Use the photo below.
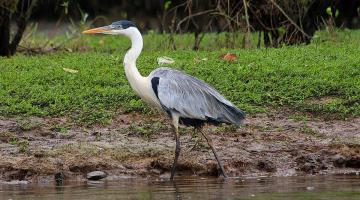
{"type": "Point", "coordinates": [132, 73]}
{"type": "Point", "coordinates": [136, 46]}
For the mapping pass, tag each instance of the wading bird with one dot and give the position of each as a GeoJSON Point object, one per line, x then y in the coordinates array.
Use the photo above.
{"type": "Point", "coordinates": [186, 99]}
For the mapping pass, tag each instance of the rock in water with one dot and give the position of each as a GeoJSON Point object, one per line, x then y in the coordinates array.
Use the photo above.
{"type": "Point", "coordinates": [96, 175]}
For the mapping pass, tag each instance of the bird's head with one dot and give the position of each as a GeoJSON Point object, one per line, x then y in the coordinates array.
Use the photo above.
{"type": "Point", "coordinates": [122, 27]}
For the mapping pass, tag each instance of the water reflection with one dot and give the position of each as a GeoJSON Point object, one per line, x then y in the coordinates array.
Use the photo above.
{"type": "Point", "coordinates": [319, 187]}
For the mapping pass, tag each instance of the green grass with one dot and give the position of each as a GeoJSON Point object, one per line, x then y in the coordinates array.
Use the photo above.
{"type": "Point", "coordinates": [322, 78]}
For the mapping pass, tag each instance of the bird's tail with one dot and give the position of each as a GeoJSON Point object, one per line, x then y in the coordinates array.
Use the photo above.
{"type": "Point", "coordinates": [233, 115]}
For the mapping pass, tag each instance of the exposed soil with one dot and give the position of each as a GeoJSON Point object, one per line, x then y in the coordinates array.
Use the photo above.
{"type": "Point", "coordinates": [272, 144]}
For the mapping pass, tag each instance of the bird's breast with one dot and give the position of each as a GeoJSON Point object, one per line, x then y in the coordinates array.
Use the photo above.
{"type": "Point", "coordinates": [144, 90]}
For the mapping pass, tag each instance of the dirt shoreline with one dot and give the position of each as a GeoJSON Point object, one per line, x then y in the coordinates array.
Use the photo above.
{"type": "Point", "coordinates": [272, 144]}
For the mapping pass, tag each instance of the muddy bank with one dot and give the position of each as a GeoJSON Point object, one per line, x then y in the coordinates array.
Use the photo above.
{"type": "Point", "coordinates": [274, 144]}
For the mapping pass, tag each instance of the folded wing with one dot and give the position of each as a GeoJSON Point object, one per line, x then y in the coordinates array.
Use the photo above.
{"type": "Point", "coordinates": [192, 98]}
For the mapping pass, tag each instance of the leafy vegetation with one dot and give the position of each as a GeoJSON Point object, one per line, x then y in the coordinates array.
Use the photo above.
{"type": "Point", "coordinates": [322, 78]}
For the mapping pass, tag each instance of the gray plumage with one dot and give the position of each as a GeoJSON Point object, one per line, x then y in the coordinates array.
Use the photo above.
{"type": "Point", "coordinates": [186, 99]}
{"type": "Point", "coordinates": [192, 98]}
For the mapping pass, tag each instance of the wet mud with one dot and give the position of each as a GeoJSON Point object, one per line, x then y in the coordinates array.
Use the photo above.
{"type": "Point", "coordinates": [272, 144]}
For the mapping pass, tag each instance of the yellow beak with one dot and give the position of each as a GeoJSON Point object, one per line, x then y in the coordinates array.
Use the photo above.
{"type": "Point", "coordinates": [103, 29]}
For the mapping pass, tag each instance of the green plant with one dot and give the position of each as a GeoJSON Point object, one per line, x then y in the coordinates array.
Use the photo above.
{"type": "Point", "coordinates": [23, 146]}
{"type": "Point", "coordinates": [13, 141]}
{"type": "Point", "coordinates": [167, 4]}
{"type": "Point", "coordinates": [320, 79]}
{"type": "Point", "coordinates": [61, 128]}
{"type": "Point", "coordinates": [299, 117]}
{"type": "Point", "coordinates": [330, 24]}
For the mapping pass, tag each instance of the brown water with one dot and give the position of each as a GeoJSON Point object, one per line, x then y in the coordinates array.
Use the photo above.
{"type": "Point", "coordinates": [318, 187]}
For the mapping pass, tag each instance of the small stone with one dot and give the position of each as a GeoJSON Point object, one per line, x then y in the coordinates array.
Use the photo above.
{"type": "Point", "coordinates": [96, 175]}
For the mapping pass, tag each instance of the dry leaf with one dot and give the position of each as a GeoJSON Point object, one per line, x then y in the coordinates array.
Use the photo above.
{"type": "Point", "coordinates": [70, 70]}
{"type": "Point", "coordinates": [229, 57]}
{"type": "Point", "coordinates": [165, 60]}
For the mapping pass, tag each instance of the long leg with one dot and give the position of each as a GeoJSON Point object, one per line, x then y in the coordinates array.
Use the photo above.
{"type": "Point", "coordinates": [208, 140]}
{"type": "Point", "coordinates": [175, 120]}
{"type": "Point", "coordinates": [196, 142]}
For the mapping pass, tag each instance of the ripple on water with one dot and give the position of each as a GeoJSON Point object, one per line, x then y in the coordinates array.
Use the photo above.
{"type": "Point", "coordinates": [315, 187]}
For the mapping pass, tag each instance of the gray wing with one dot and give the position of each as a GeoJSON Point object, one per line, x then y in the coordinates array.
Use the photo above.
{"type": "Point", "coordinates": [192, 98]}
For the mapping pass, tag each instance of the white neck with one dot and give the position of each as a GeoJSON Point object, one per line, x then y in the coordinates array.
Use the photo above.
{"type": "Point", "coordinates": [132, 73]}
{"type": "Point", "coordinates": [136, 45]}
{"type": "Point", "coordinates": [141, 85]}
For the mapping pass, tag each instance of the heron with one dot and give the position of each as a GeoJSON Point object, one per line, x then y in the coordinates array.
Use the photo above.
{"type": "Point", "coordinates": [186, 100]}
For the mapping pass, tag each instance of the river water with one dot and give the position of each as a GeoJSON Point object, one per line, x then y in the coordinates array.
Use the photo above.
{"type": "Point", "coordinates": [315, 187]}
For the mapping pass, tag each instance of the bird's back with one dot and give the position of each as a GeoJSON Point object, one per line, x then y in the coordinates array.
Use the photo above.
{"type": "Point", "coordinates": [194, 100]}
